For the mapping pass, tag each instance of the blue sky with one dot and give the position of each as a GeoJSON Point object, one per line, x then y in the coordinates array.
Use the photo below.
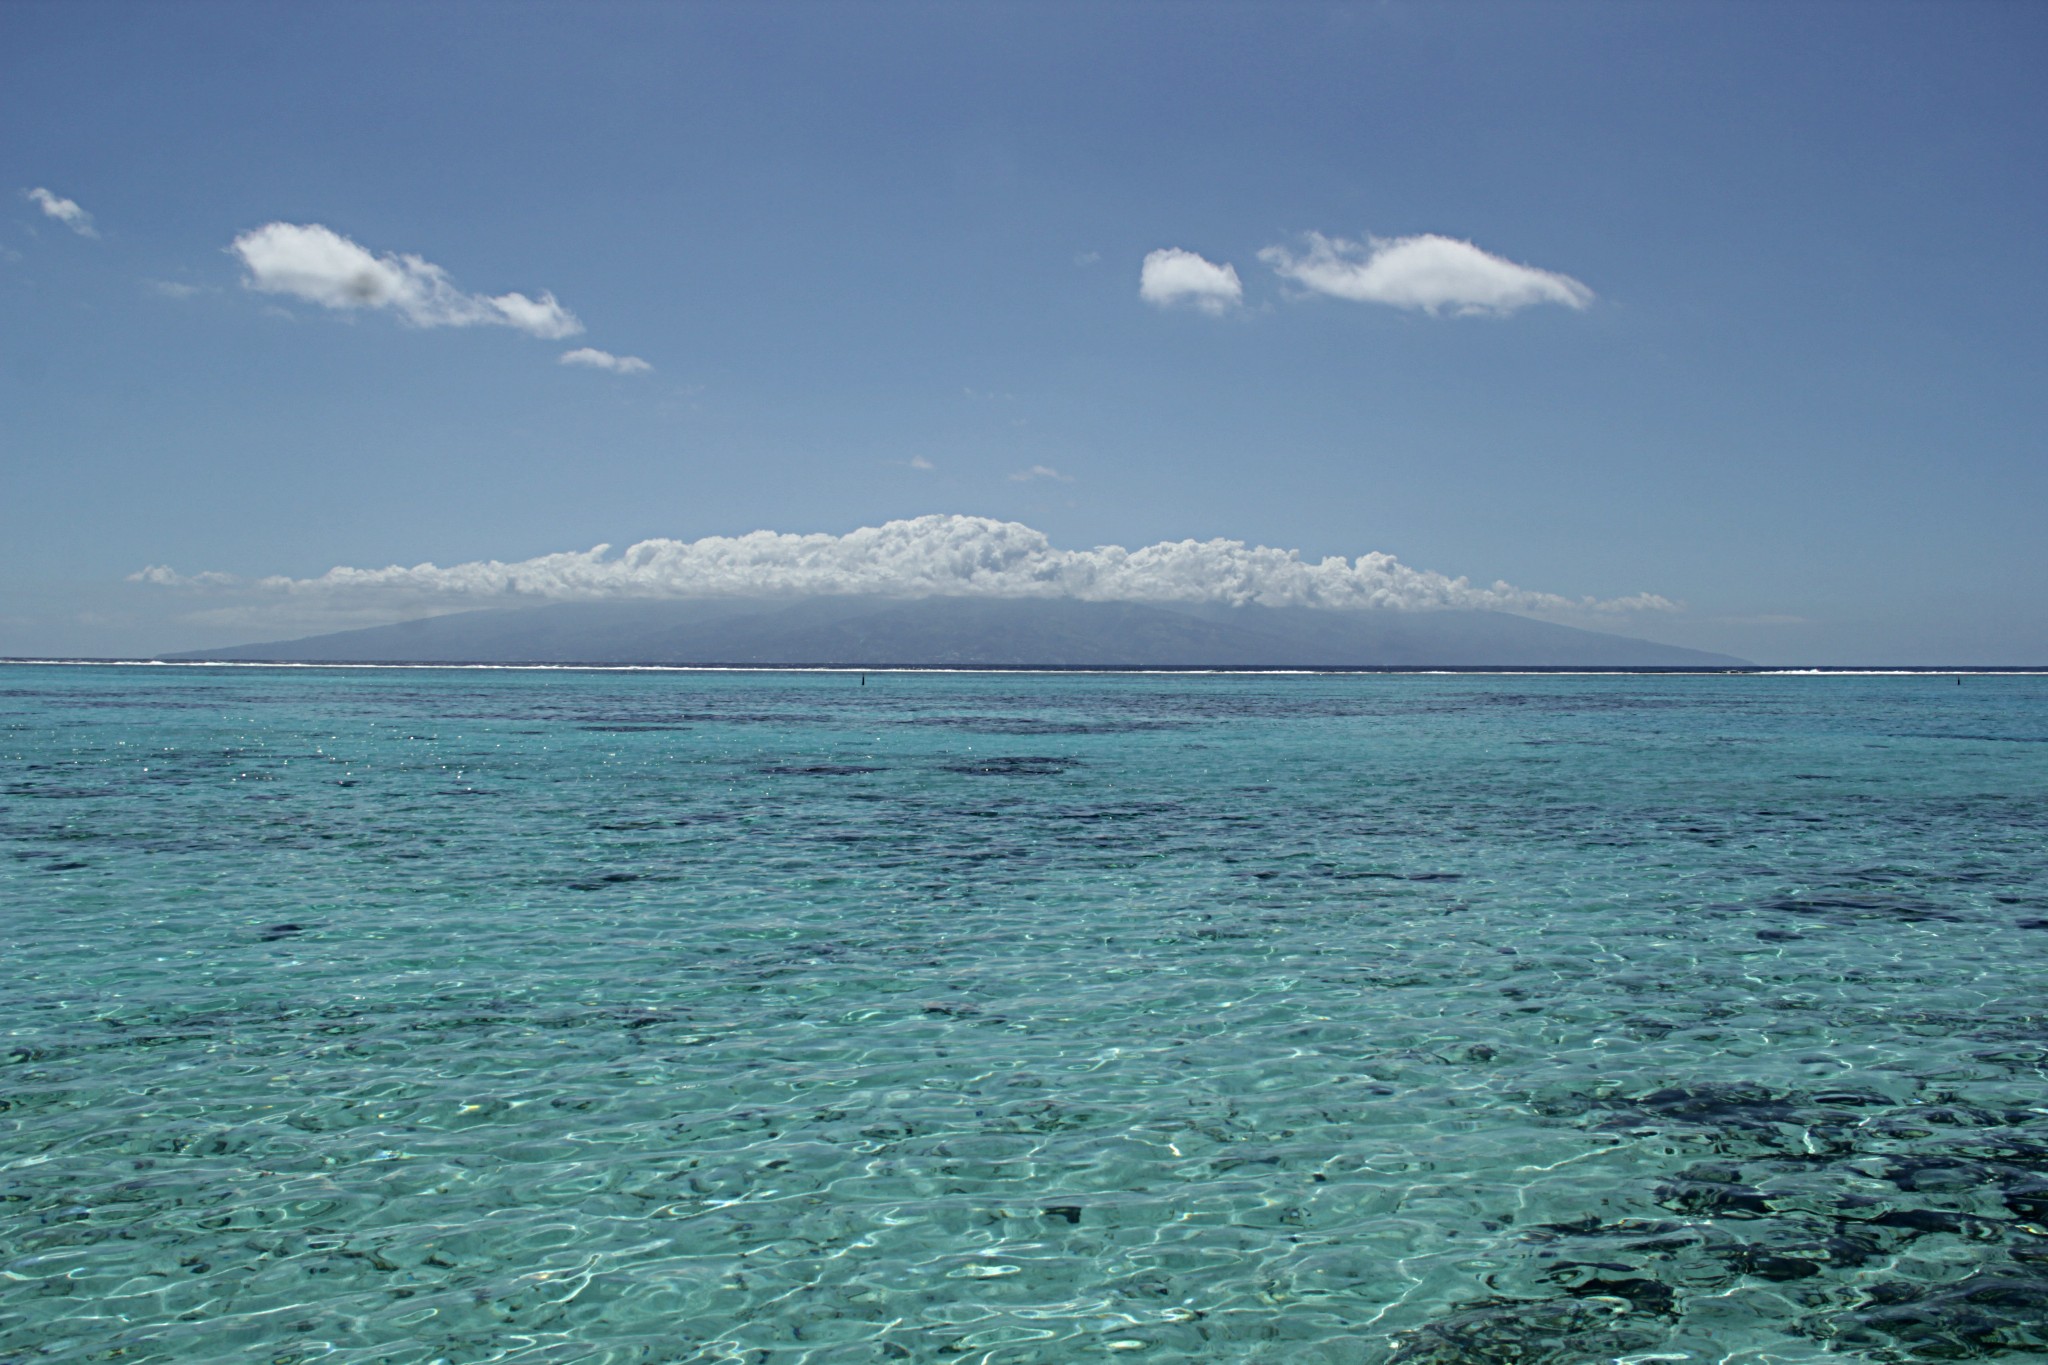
{"type": "Point", "coordinates": [882, 261]}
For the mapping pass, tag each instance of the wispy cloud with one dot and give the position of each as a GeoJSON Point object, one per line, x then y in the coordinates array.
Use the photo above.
{"type": "Point", "coordinates": [919, 462]}
{"type": "Point", "coordinates": [164, 576]}
{"type": "Point", "coordinates": [65, 211]}
{"type": "Point", "coordinates": [1040, 471]}
{"type": "Point", "coordinates": [315, 263]}
{"type": "Point", "coordinates": [172, 289]}
{"type": "Point", "coordinates": [1426, 272]}
{"type": "Point", "coordinates": [951, 556]}
{"type": "Point", "coordinates": [1172, 277]}
{"type": "Point", "coordinates": [604, 360]}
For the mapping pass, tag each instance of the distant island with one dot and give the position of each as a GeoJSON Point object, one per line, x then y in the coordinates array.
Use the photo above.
{"type": "Point", "coordinates": [974, 632]}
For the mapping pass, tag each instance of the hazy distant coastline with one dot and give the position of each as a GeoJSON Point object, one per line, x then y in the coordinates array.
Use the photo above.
{"type": "Point", "coordinates": [844, 631]}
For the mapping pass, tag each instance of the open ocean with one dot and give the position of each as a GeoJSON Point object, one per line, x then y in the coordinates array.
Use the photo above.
{"type": "Point", "coordinates": [416, 1015]}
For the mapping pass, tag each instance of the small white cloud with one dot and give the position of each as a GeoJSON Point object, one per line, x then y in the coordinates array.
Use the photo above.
{"type": "Point", "coordinates": [1426, 272]}
{"type": "Point", "coordinates": [319, 265]}
{"type": "Point", "coordinates": [1040, 471]}
{"type": "Point", "coordinates": [1171, 276]}
{"type": "Point", "coordinates": [1086, 258]}
{"type": "Point", "coordinates": [164, 576]}
{"type": "Point", "coordinates": [171, 289]}
{"type": "Point", "coordinates": [605, 360]}
{"type": "Point", "coordinates": [65, 211]}
{"type": "Point", "coordinates": [920, 462]}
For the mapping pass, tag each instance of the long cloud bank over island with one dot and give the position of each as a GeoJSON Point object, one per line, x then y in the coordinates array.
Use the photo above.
{"type": "Point", "coordinates": [931, 556]}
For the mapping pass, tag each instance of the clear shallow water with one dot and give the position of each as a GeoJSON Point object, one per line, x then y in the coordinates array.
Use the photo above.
{"type": "Point", "coordinates": [497, 1016]}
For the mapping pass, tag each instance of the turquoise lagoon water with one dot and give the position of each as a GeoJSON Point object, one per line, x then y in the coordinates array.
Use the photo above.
{"type": "Point", "coordinates": [466, 1016]}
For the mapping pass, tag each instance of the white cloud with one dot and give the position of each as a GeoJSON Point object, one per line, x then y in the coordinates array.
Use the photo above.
{"type": "Point", "coordinates": [172, 289]}
{"type": "Point", "coordinates": [315, 263]}
{"type": "Point", "coordinates": [1428, 272]}
{"type": "Point", "coordinates": [65, 211]}
{"type": "Point", "coordinates": [921, 463]}
{"type": "Point", "coordinates": [605, 360]}
{"type": "Point", "coordinates": [1040, 471]}
{"type": "Point", "coordinates": [948, 556]}
{"type": "Point", "coordinates": [164, 576]}
{"type": "Point", "coordinates": [1171, 276]}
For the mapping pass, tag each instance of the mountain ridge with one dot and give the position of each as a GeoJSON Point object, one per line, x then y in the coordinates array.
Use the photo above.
{"type": "Point", "coordinates": [969, 632]}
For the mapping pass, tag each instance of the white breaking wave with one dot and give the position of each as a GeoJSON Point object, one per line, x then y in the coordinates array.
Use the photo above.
{"type": "Point", "coordinates": [930, 556]}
